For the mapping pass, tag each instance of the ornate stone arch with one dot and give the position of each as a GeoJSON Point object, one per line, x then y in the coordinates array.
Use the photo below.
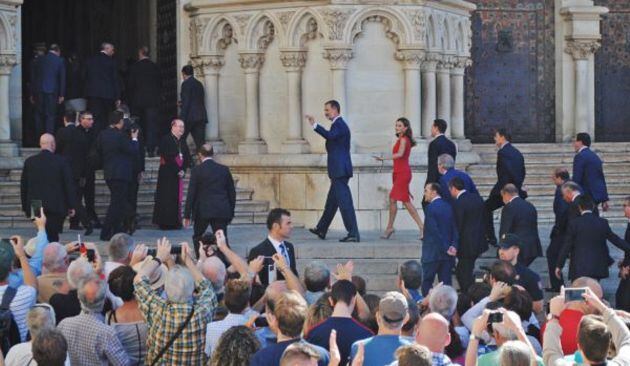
{"type": "Point", "coordinates": [304, 26]}
{"type": "Point", "coordinates": [220, 33]}
{"type": "Point", "coordinates": [460, 39]}
{"type": "Point", "coordinates": [397, 26]}
{"type": "Point", "coordinates": [262, 29]}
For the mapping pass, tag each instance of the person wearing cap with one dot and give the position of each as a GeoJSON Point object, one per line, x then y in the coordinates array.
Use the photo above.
{"type": "Point", "coordinates": [521, 218]}
{"type": "Point", "coordinates": [391, 315]}
{"type": "Point", "coordinates": [25, 295]}
{"type": "Point", "coordinates": [509, 249]}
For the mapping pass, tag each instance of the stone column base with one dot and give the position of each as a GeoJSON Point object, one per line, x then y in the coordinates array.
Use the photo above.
{"type": "Point", "coordinates": [218, 146]}
{"type": "Point", "coordinates": [252, 147]}
{"type": "Point", "coordinates": [9, 149]}
{"type": "Point", "coordinates": [299, 146]}
{"type": "Point", "coordinates": [463, 144]}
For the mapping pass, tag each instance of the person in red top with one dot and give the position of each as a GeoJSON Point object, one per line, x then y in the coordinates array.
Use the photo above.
{"type": "Point", "coordinates": [571, 316]}
{"type": "Point", "coordinates": [401, 176]}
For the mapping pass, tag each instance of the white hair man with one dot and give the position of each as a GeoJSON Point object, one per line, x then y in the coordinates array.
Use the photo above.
{"type": "Point", "coordinates": [66, 304]}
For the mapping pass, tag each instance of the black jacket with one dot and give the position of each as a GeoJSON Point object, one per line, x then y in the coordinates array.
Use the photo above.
{"type": "Point", "coordinates": [560, 211]}
{"type": "Point", "coordinates": [267, 249]}
{"type": "Point", "coordinates": [211, 192]}
{"type": "Point", "coordinates": [585, 245]}
{"type": "Point", "coordinates": [47, 177]}
{"type": "Point", "coordinates": [144, 84]}
{"type": "Point", "coordinates": [101, 77]}
{"type": "Point", "coordinates": [193, 102]}
{"type": "Point", "coordinates": [469, 213]}
{"type": "Point", "coordinates": [440, 145]}
{"type": "Point", "coordinates": [74, 146]}
{"type": "Point", "coordinates": [520, 217]}
{"type": "Point", "coordinates": [510, 169]}
{"type": "Point", "coordinates": [118, 153]}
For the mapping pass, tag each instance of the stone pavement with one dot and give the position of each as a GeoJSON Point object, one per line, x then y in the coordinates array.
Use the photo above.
{"type": "Point", "coordinates": [375, 259]}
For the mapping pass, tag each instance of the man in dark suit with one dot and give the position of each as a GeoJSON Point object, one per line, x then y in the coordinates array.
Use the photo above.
{"type": "Point", "coordinates": [280, 226]}
{"type": "Point", "coordinates": [560, 210]}
{"type": "Point", "coordinates": [51, 89]}
{"type": "Point", "coordinates": [211, 197]}
{"type": "Point", "coordinates": [438, 146]}
{"type": "Point", "coordinates": [47, 177]}
{"type": "Point", "coordinates": [87, 179]}
{"type": "Point", "coordinates": [510, 170]}
{"type": "Point", "coordinates": [102, 86]}
{"type": "Point", "coordinates": [193, 108]}
{"type": "Point", "coordinates": [585, 244]}
{"type": "Point", "coordinates": [446, 167]}
{"type": "Point", "coordinates": [144, 96]}
{"type": "Point", "coordinates": [588, 171]}
{"type": "Point", "coordinates": [117, 151]}
{"type": "Point", "coordinates": [441, 239]}
{"type": "Point", "coordinates": [520, 217]}
{"type": "Point", "coordinates": [468, 210]}
{"type": "Point", "coordinates": [72, 145]}
{"type": "Point", "coordinates": [339, 172]}
{"type": "Point", "coordinates": [622, 297]}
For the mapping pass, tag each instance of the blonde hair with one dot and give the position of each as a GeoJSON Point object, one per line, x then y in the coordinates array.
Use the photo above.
{"type": "Point", "coordinates": [515, 353]}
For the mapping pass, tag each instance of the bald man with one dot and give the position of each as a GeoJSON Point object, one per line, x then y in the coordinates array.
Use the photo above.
{"type": "Point", "coordinates": [433, 333]}
{"type": "Point", "coordinates": [47, 177]}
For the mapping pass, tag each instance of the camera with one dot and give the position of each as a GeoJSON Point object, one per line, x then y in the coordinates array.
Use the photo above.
{"type": "Point", "coordinates": [495, 317]}
{"type": "Point", "coordinates": [175, 250]}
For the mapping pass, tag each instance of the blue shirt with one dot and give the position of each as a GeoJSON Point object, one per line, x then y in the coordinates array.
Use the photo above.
{"type": "Point", "coordinates": [348, 332]}
{"type": "Point", "coordinates": [380, 349]}
{"type": "Point", "coordinates": [16, 278]}
{"type": "Point", "coordinates": [416, 295]}
{"type": "Point", "coordinates": [271, 355]}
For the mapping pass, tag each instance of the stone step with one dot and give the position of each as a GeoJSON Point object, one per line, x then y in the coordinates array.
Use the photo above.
{"type": "Point", "coordinates": [545, 179]}
{"type": "Point", "coordinates": [542, 169]}
{"type": "Point", "coordinates": [558, 157]}
{"type": "Point", "coordinates": [526, 148]}
{"type": "Point", "coordinates": [614, 187]}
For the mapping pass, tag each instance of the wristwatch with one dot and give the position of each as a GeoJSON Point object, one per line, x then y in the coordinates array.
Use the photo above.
{"type": "Point", "coordinates": [474, 337]}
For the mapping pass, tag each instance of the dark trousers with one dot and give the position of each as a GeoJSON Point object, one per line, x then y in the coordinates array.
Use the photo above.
{"type": "Point", "coordinates": [118, 210]}
{"type": "Point", "coordinates": [464, 272]}
{"type": "Point", "coordinates": [197, 129]}
{"type": "Point", "coordinates": [45, 113]}
{"type": "Point", "coordinates": [443, 269]}
{"type": "Point", "coordinates": [492, 203]}
{"type": "Point", "coordinates": [132, 196]}
{"type": "Point", "coordinates": [54, 225]}
{"type": "Point", "coordinates": [85, 198]}
{"type": "Point", "coordinates": [149, 123]}
{"type": "Point", "coordinates": [100, 108]}
{"type": "Point", "coordinates": [80, 214]}
{"type": "Point", "coordinates": [339, 197]}
{"type": "Point", "coordinates": [622, 297]}
{"type": "Point", "coordinates": [201, 225]}
{"type": "Point", "coordinates": [553, 251]}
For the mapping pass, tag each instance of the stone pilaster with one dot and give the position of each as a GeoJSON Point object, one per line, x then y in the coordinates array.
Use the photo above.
{"type": "Point", "coordinates": [294, 62]}
{"type": "Point", "coordinates": [338, 59]}
{"type": "Point", "coordinates": [428, 93]}
{"type": "Point", "coordinates": [584, 115]}
{"type": "Point", "coordinates": [210, 67]}
{"type": "Point", "coordinates": [7, 148]}
{"type": "Point", "coordinates": [251, 62]}
{"type": "Point", "coordinates": [412, 62]}
{"type": "Point", "coordinates": [444, 90]}
{"type": "Point", "coordinates": [457, 97]}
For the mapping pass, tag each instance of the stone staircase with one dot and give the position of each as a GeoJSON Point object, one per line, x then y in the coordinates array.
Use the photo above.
{"type": "Point", "coordinates": [541, 159]}
{"type": "Point", "coordinates": [248, 211]}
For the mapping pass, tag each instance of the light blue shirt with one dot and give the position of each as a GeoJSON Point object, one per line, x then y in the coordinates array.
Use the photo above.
{"type": "Point", "coordinates": [16, 278]}
{"type": "Point", "coordinates": [380, 349]}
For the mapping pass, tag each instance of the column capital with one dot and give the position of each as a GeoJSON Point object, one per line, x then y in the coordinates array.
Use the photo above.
{"type": "Point", "coordinates": [338, 57]}
{"type": "Point", "coordinates": [460, 64]}
{"type": "Point", "coordinates": [208, 64]}
{"type": "Point", "coordinates": [293, 60]}
{"type": "Point", "coordinates": [445, 63]}
{"type": "Point", "coordinates": [6, 63]}
{"type": "Point", "coordinates": [430, 61]}
{"type": "Point", "coordinates": [581, 49]}
{"type": "Point", "coordinates": [411, 59]}
{"type": "Point", "coordinates": [251, 62]}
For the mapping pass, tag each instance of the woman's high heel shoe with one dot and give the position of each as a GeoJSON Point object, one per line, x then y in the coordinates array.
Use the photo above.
{"type": "Point", "coordinates": [387, 234]}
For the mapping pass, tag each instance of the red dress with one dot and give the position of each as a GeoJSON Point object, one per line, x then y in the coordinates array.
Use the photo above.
{"type": "Point", "coordinates": [402, 173]}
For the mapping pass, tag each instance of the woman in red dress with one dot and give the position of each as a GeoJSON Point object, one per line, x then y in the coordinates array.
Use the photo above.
{"type": "Point", "coordinates": [401, 176]}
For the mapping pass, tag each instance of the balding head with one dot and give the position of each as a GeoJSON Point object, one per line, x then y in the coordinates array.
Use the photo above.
{"type": "Point", "coordinates": [433, 333]}
{"type": "Point", "coordinates": [214, 270]}
{"type": "Point", "coordinates": [47, 142]}
{"type": "Point", "coordinates": [55, 258]}
{"type": "Point", "coordinates": [590, 283]}
{"type": "Point", "coordinates": [275, 290]}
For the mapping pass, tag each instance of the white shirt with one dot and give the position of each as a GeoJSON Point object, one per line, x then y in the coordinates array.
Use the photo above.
{"type": "Point", "coordinates": [206, 158]}
{"type": "Point", "coordinates": [276, 245]}
{"type": "Point", "coordinates": [214, 330]}
{"type": "Point", "coordinates": [435, 198]}
{"type": "Point", "coordinates": [333, 121]}
{"type": "Point", "coordinates": [575, 195]}
{"type": "Point", "coordinates": [586, 211]}
{"type": "Point", "coordinates": [512, 199]}
{"type": "Point", "coordinates": [582, 148]}
{"type": "Point", "coordinates": [460, 193]}
{"type": "Point", "coordinates": [21, 354]}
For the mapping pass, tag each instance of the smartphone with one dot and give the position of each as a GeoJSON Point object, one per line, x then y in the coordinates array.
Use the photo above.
{"type": "Point", "coordinates": [152, 252]}
{"type": "Point", "coordinates": [6, 241]}
{"type": "Point", "coordinates": [36, 208]}
{"type": "Point", "coordinates": [91, 255]}
{"type": "Point", "coordinates": [495, 317]}
{"type": "Point", "coordinates": [271, 271]}
{"type": "Point", "coordinates": [574, 294]}
{"type": "Point", "coordinates": [176, 249]}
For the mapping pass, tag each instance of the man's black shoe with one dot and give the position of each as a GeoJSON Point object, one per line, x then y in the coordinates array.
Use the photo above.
{"type": "Point", "coordinates": [318, 233]}
{"type": "Point", "coordinates": [97, 224]}
{"type": "Point", "coordinates": [88, 230]}
{"type": "Point", "coordinates": [350, 239]}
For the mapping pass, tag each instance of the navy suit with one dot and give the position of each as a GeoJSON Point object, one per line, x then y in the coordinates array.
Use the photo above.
{"type": "Point", "coordinates": [193, 111]}
{"type": "Point", "coordinates": [622, 297]}
{"type": "Point", "coordinates": [468, 210]}
{"type": "Point", "coordinates": [469, 185]}
{"type": "Point", "coordinates": [102, 87]}
{"type": "Point", "coordinates": [585, 244]}
{"type": "Point", "coordinates": [440, 233]}
{"type": "Point", "coordinates": [510, 169]}
{"type": "Point", "coordinates": [438, 146]}
{"type": "Point", "coordinates": [560, 210]}
{"type": "Point", "coordinates": [520, 217]}
{"type": "Point", "coordinates": [51, 84]}
{"type": "Point", "coordinates": [339, 172]}
{"type": "Point", "coordinates": [588, 172]}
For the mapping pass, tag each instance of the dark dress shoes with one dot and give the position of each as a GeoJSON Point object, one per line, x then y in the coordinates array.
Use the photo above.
{"type": "Point", "coordinates": [318, 233]}
{"type": "Point", "coordinates": [350, 239]}
{"type": "Point", "coordinates": [88, 230]}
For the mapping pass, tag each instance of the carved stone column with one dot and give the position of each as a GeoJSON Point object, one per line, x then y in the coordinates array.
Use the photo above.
{"type": "Point", "coordinates": [457, 97]}
{"type": "Point", "coordinates": [252, 144]}
{"type": "Point", "coordinates": [444, 91]}
{"type": "Point", "coordinates": [338, 59]}
{"type": "Point", "coordinates": [412, 60]}
{"type": "Point", "coordinates": [7, 147]}
{"type": "Point", "coordinates": [428, 94]}
{"type": "Point", "coordinates": [584, 116]}
{"type": "Point", "coordinates": [210, 67]}
{"type": "Point", "coordinates": [294, 62]}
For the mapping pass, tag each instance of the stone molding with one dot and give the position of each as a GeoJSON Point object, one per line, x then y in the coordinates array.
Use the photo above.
{"type": "Point", "coordinates": [251, 62]}
{"type": "Point", "coordinates": [411, 59]}
{"type": "Point", "coordinates": [293, 60]}
{"type": "Point", "coordinates": [208, 64]}
{"type": "Point", "coordinates": [338, 58]}
{"type": "Point", "coordinates": [6, 63]}
{"type": "Point", "coordinates": [582, 49]}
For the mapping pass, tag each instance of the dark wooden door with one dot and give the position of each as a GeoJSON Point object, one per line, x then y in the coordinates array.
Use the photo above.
{"type": "Point", "coordinates": [167, 58]}
{"type": "Point", "coordinates": [612, 74]}
{"type": "Point", "coordinates": [511, 81]}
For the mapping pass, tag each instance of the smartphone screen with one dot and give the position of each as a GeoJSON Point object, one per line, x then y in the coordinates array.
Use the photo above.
{"type": "Point", "coordinates": [91, 255]}
{"type": "Point", "coordinates": [36, 207]}
{"type": "Point", "coordinates": [574, 294]}
{"type": "Point", "coordinates": [271, 270]}
{"type": "Point", "coordinates": [6, 241]}
{"type": "Point", "coordinates": [495, 317]}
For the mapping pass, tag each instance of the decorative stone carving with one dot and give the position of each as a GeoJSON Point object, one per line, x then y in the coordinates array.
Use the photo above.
{"type": "Point", "coordinates": [197, 28]}
{"type": "Point", "coordinates": [242, 20]}
{"type": "Point", "coordinates": [336, 20]}
{"type": "Point", "coordinates": [338, 58]}
{"type": "Point", "coordinates": [445, 62]}
{"type": "Point", "coordinates": [430, 61]}
{"type": "Point", "coordinates": [293, 60]}
{"type": "Point", "coordinates": [208, 64]}
{"type": "Point", "coordinates": [6, 63]}
{"type": "Point", "coordinates": [285, 17]}
{"type": "Point", "coordinates": [358, 27]}
{"type": "Point", "coordinates": [251, 61]}
{"type": "Point", "coordinates": [269, 31]}
{"type": "Point", "coordinates": [582, 49]}
{"type": "Point", "coordinates": [417, 19]}
{"type": "Point", "coordinates": [227, 37]}
{"type": "Point", "coordinates": [411, 58]}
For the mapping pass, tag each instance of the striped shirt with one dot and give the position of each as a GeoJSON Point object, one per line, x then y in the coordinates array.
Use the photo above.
{"type": "Point", "coordinates": [22, 302]}
{"type": "Point", "coordinates": [216, 329]}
